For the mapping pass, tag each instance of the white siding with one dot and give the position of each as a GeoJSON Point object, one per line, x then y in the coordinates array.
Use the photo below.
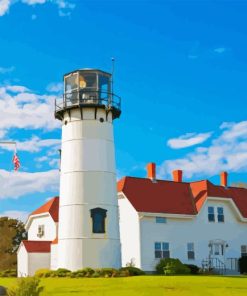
{"type": "Point", "coordinates": [22, 261]}
{"type": "Point", "coordinates": [54, 256]}
{"type": "Point", "coordinates": [38, 261]}
{"type": "Point", "coordinates": [50, 228]}
{"type": "Point", "coordinates": [129, 233]}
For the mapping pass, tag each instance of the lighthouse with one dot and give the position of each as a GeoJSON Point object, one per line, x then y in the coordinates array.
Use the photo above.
{"type": "Point", "coordinates": [88, 231]}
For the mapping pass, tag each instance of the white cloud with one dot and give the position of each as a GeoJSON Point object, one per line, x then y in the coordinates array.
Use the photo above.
{"type": "Point", "coordinates": [55, 87]}
{"type": "Point", "coordinates": [17, 184]}
{"type": "Point", "coordinates": [20, 215]}
{"type": "Point", "coordinates": [64, 7]}
{"type": "Point", "coordinates": [220, 50]}
{"type": "Point", "coordinates": [26, 110]}
{"type": "Point", "coordinates": [2, 69]}
{"type": "Point", "coordinates": [35, 144]}
{"type": "Point", "coordinates": [188, 140]}
{"type": "Point", "coordinates": [227, 152]}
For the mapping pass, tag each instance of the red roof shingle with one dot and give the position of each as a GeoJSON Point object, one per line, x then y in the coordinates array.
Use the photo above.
{"type": "Point", "coordinates": [37, 246]}
{"type": "Point", "coordinates": [52, 207]}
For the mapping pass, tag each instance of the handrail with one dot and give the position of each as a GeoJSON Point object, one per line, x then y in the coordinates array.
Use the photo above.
{"type": "Point", "coordinates": [87, 97]}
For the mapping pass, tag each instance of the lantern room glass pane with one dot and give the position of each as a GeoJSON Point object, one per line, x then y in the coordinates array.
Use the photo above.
{"type": "Point", "coordinates": [104, 86]}
{"type": "Point", "coordinates": [88, 81]}
{"type": "Point", "coordinates": [71, 83]}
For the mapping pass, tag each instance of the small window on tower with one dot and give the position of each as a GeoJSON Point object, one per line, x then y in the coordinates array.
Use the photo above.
{"type": "Point", "coordinates": [98, 216]}
{"type": "Point", "coordinates": [41, 231]}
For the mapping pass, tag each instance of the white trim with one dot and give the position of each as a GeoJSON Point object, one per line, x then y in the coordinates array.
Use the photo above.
{"type": "Point", "coordinates": [230, 200]}
{"type": "Point", "coordinates": [165, 215]}
{"type": "Point", "coordinates": [31, 217]}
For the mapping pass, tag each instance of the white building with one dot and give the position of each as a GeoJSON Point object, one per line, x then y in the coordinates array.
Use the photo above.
{"type": "Point", "coordinates": [198, 222]}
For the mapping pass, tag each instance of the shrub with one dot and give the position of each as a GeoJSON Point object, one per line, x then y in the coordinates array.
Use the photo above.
{"type": "Point", "coordinates": [133, 270]}
{"type": "Point", "coordinates": [170, 266]}
{"type": "Point", "coordinates": [243, 264]}
{"type": "Point", "coordinates": [193, 268]}
{"type": "Point", "coordinates": [85, 272]}
{"type": "Point", "coordinates": [42, 273]}
{"type": "Point", "coordinates": [26, 287]}
{"type": "Point", "coordinates": [8, 273]}
{"type": "Point", "coordinates": [62, 272]}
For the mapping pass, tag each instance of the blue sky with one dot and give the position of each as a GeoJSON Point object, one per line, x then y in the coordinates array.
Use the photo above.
{"type": "Point", "coordinates": [180, 70]}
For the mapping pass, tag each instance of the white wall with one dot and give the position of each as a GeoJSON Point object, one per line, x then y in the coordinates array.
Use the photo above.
{"type": "Point", "coordinates": [38, 261]}
{"type": "Point", "coordinates": [49, 227]}
{"type": "Point", "coordinates": [129, 232]}
{"type": "Point", "coordinates": [179, 232]}
{"type": "Point", "coordinates": [22, 261]}
{"type": "Point", "coordinates": [54, 250]}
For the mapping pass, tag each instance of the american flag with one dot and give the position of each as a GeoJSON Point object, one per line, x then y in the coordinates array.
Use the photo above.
{"type": "Point", "coordinates": [16, 162]}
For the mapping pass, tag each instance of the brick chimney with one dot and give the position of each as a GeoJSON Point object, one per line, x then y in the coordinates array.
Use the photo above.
{"type": "Point", "coordinates": [177, 175]}
{"type": "Point", "coordinates": [151, 171]}
{"type": "Point", "coordinates": [223, 179]}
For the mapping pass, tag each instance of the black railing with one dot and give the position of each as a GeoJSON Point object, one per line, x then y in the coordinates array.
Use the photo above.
{"type": "Point", "coordinates": [214, 263]}
{"type": "Point", "coordinates": [83, 98]}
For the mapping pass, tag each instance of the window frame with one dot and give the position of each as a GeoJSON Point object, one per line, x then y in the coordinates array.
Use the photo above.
{"type": "Point", "coordinates": [160, 220]}
{"type": "Point", "coordinates": [163, 250]}
{"type": "Point", "coordinates": [191, 251]}
{"type": "Point", "coordinates": [243, 253]}
{"type": "Point", "coordinates": [212, 215]}
{"type": "Point", "coordinates": [102, 212]}
{"type": "Point", "coordinates": [220, 215]}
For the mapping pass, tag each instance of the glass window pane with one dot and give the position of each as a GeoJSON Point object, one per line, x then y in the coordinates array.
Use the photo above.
{"type": "Point", "coordinates": [157, 246]}
{"type": "Point", "coordinates": [166, 254]}
{"type": "Point", "coordinates": [220, 218]}
{"type": "Point", "coordinates": [191, 255]}
{"type": "Point", "coordinates": [211, 210]}
{"type": "Point", "coordinates": [220, 211]}
{"type": "Point", "coordinates": [165, 246]}
{"type": "Point", "coordinates": [71, 83]}
{"type": "Point", "coordinates": [211, 218]}
{"type": "Point", "coordinates": [190, 246]}
{"type": "Point", "coordinates": [158, 254]}
{"type": "Point", "coordinates": [160, 220]}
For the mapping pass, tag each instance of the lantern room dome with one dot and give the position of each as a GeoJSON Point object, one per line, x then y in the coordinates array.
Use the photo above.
{"type": "Point", "coordinates": [86, 88]}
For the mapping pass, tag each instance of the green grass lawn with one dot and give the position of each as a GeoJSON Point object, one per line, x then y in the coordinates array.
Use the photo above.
{"type": "Point", "coordinates": [143, 285]}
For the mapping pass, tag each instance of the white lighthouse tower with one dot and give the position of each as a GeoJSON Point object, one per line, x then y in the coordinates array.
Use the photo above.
{"type": "Point", "coordinates": [88, 234]}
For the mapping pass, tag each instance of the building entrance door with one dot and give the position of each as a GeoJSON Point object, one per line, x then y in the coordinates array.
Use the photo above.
{"type": "Point", "coordinates": [217, 249]}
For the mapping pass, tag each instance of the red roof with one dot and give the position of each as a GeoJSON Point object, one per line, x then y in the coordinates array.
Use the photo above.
{"type": "Point", "coordinates": [177, 197]}
{"type": "Point", "coordinates": [158, 197]}
{"type": "Point", "coordinates": [37, 246]}
{"type": "Point", "coordinates": [51, 207]}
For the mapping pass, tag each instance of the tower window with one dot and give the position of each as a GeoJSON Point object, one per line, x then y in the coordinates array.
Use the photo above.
{"type": "Point", "coordinates": [220, 212]}
{"type": "Point", "coordinates": [98, 216]}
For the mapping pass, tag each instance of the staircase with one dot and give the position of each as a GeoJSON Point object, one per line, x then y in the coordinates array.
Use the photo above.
{"type": "Point", "coordinates": [230, 267]}
{"type": "Point", "coordinates": [214, 264]}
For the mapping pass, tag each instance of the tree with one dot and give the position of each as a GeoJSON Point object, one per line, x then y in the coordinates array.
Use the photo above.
{"type": "Point", "coordinates": [239, 184]}
{"type": "Point", "coordinates": [12, 232]}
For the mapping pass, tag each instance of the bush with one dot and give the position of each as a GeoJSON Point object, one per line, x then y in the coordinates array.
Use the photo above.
{"type": "Point", "coordinates": [193, 268]}
{"type": "Point", "coordinates": [170, 266]}
{"type": "Point", "coordinates": [8, 273]}
{"type": "Point", "coordinates": [42, 273]}
{"type": "Point", "coordinates": [26, 287]}
{"type": "Point", "coordinates": [133, 270]}
{"type": "Point", "coordinates": [85, 272]}
{"type": "Point", "coordinates": [243, 264]}
{"type": "Point", "coordinates": [62, 272]}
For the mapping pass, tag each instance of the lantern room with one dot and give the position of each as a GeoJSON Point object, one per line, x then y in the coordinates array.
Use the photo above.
{"type": "Point", "coordinates": [88, 88]}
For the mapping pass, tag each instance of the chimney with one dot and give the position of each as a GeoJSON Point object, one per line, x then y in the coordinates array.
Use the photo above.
{"type": "Point", "coordinates": [177, 175]}
{"type": "Point", "coordinates": [223, 179]}
{"type": "Point", "coordinates": [151, 171]}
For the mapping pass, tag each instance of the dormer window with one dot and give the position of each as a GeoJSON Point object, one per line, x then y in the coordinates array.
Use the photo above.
{"type": "Point", "coordinates": [41, 231]}
{"type": "Point", "coordinates": [98, 216]}
{"type": "Point", "coordinates": [220, 213]}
